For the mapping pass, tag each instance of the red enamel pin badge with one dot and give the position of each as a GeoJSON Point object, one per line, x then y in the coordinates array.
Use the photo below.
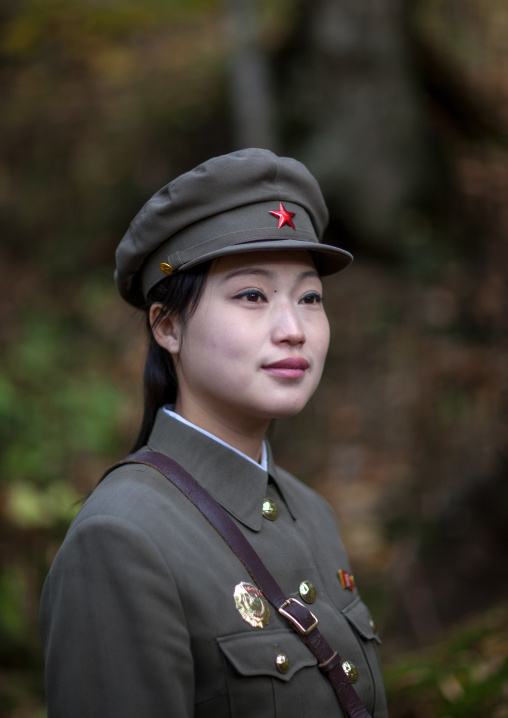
{"type": "Point", "coordinates": [347, 580]}
{"type": "Point", "coordinates": [284, 216]}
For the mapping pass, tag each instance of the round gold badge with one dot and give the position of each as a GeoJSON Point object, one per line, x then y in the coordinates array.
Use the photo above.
{"type": "Point", "coordinates": [252, 605]}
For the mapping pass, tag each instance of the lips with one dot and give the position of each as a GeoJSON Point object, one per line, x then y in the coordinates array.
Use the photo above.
{"type": "Point", "coordinates": [290, 368]}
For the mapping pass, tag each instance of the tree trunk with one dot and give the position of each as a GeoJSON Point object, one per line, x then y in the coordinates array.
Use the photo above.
{"type": "Point", "coordinates": [249, 73]}
{"type": "Point", "coordinates": [353, 111]}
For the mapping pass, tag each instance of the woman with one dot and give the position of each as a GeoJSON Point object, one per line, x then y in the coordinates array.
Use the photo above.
{"type": "Point", "coordinates": [147, 611]}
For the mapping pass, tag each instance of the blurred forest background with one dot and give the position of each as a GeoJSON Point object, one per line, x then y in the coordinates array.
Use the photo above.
{"type": "Point", "coordinates": [401, 111]}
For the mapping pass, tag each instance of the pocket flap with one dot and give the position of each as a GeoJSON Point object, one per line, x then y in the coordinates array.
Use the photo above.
{"type": "Point", "coordinates": [255, 654]}
{"type": "Point", "coordinates": [359, 617]}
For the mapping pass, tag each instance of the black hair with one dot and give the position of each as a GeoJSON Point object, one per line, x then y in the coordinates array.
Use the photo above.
{"type": "Point", "coordinates": [179, 295]}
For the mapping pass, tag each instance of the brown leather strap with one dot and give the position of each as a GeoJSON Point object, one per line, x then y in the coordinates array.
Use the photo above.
{"type": "Point", "coordinates": [299, 617]}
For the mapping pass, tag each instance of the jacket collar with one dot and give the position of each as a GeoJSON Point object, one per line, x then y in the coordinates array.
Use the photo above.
{"type": "Point", "coordinates": [235, 482]}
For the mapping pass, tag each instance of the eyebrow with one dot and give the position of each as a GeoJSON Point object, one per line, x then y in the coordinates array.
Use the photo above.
{"type": "Point", "coordinates": [258, 271]}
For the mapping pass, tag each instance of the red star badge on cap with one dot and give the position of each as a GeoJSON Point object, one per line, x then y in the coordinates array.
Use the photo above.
{"type": "Point", "coordinates": [284, 216]}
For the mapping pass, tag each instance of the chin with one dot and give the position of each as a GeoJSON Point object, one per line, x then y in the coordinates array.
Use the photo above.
{"type": "Point", "coordinates": [284, 411]}
{"type": "Point", "coordinates": [285, 407]}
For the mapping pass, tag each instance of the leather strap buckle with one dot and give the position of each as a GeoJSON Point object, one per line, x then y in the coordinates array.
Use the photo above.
{"type": "Point", "coordinates": [304, 631]}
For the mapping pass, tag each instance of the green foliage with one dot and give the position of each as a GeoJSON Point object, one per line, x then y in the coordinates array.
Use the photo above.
{"type": "Point", "coordinates": [61, 422]}
{"type": "Point", "coordinates": [53, 404]}
{"type": "Point", "coordinates": [29, 506]}
{"type": "Point", "coordinates": [13, 623]}
{"type": "Point", "coordinates": [465, 675]}
{"type": "Point", "coordinates": [39, 22]}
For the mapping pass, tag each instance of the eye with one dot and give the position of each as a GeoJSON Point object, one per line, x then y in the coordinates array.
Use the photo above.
{"type": "Point", "coordinates": [311, 298]}
{"type": "Point", "coordinates": [253, 296]}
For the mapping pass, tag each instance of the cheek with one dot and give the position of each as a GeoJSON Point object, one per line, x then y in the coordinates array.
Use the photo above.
{"type": "Point", "coordinates": [321, 337]}
{"type": "Point", "coordinates": [231, 338]}
{"type": "Point", "coordinates": [216, 338]}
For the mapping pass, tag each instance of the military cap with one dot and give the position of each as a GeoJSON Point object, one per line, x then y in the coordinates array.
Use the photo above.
{"type": "Point", "coordinates": [250, 200]}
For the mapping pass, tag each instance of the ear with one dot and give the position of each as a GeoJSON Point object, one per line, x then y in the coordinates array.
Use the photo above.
{"type": "Point", "coordinates": [166, 332]}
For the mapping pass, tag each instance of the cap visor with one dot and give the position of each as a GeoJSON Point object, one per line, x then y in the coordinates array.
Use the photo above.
{"type": "Point", "coordinates": [329, 259]}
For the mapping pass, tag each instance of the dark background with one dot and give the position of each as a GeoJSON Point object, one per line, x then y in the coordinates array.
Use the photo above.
{"type": "Point", "coordinates": [400, 109]}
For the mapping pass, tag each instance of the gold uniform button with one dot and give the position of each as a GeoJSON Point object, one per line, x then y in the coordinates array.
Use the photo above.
{"type": "Point", "coordinates": [270, 510]}
{"type": "Point", "coordinates": [350, 671]}
{"type": "Point", "coordinates": [283, 663]}
{"type": "Point", "coordinates": [307, 592]}
{"type": "Point", "coordinates": [166, 268]}
{"type": "Point", "coordinates": [372, 624]}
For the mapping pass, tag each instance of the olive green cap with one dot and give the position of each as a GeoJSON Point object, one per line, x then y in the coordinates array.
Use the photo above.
{"type": "Point", "coordinates": [246, 201]}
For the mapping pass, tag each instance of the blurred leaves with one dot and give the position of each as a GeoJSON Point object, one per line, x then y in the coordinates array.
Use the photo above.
{"type": "Point", "coordinates": [466, 675]}
{"type": "Point", "coordinates": [62, 420]}
{"type": "Point", "coordinates": [82, 81]}
{"type": "Point", "coordinates": [30, 507]}
{"type": "Point", "coordinates": [52, 405]}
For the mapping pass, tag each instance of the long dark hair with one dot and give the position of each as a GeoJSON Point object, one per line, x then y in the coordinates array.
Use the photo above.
{"type": "Point", "coordinates": [179, 295]}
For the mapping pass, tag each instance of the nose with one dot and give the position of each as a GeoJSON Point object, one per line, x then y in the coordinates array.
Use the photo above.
{"type": "Point", "coordinates": [287, 326]}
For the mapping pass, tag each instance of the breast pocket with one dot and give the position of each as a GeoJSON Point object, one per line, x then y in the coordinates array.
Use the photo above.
{"type": "Point", "coordinates": [359, 617]}
{"type": "Point", "coordinates": [261, 670]}
{"type": "Point", "coordinates": [367, 674]}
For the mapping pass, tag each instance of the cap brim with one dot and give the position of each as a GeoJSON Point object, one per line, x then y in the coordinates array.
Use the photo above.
{"type": "Point", "coordinates": [329, 259]}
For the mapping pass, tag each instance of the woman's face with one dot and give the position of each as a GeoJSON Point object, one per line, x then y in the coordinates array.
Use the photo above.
{"type": "Point", "coordinates": [255, 347]}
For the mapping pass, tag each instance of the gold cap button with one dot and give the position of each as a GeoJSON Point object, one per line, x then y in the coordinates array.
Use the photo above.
{"type": "Point", "coordinates": [166, 268]}
{"type": "Point", "coordinates": [307, 592]}
{"type": "Point", "coordinates": [350, 671]}
{"type": "Point", "coordinates": [270, 510]}
{"type": "Point", "coordinates": [283, 663]}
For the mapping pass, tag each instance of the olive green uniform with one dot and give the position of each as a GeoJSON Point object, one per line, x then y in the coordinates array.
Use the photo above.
{"type": "Point", "coordinates": [138, 617]}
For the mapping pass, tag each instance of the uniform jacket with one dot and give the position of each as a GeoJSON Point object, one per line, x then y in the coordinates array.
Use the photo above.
{"type": "Point", "coordinates": [138, 617]}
